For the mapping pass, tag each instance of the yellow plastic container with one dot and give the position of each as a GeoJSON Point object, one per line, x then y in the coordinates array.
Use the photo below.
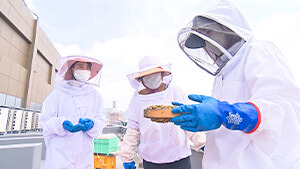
{"type": "Point", "coordinates": [104, 161]}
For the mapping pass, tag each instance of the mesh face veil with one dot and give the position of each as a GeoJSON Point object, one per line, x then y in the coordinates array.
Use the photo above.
{"type": "Point", "coordinates": [64, 74]}
{"type": "Point", "coordinates": [209, 44]}
{"type": "Point", "coordinates": [153, 81]}
{"type": "Point", "coordinates": [150, 65]}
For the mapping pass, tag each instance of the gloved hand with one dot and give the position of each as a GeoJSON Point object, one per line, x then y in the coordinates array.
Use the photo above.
{"type": "Point", "coordinates": [70, 127]}
{"type": "Point", "coordinates": [198, 117]}
{"type": "Point", "coordinates": [130, 165]}
{"type": "Point", "coordinates": [87, 124]}
{"type": "Point", "coordinates": [210, 113]}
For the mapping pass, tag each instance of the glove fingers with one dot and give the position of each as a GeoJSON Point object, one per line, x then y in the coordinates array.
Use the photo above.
{"type": "Point", "coordinates": [91, 124]}
{"type": "Point", "coordinates": [80, 120]}
{"type": "Point", "coordinates": [182, 109]}
{"type": "Point", "coordinates": [86, 120]}
{"type": "Point", "coordinates": [197, 98]}
{"type": "Point", "coordinates": [68, 123]}
{"type": "Point", "coordinates": [68, 128]}
{"type": "Point", "coordinates": [77, 128]}
{"type": "Point", "coordinates": [87, 126]}
{"type": "Point", "coordinates": [177, 103]}
{"type": "Point", "coordinates": [130, 165]}
{"type": "Point", "coordinates": [182, 118]}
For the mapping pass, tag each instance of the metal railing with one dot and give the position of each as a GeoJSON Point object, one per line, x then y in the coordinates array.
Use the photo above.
{"type": "Point", "coordinates": [18, 120]}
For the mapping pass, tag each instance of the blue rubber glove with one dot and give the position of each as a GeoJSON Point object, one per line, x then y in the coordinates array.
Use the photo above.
{"type": "Point", "coordinates": [130, 165]}
{"type": "Point", "coordinates": [87, 124]}
{"type": "Point", "coordinates": [76, 128]}
{"type": "Point", "coordinates": [70, 127]}
{"type": "Point", "coordinates": [210, 114]}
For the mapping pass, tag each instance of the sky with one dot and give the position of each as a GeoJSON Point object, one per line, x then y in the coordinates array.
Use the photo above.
{"type": "Point", "coordinates": [120, 32]}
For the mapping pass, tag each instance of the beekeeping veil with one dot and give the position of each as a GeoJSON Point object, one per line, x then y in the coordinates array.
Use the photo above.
{"type": "Point", "coordinates": [212, 38]}
{"type": "Point", "coordinates": [64, 73]}
{"type": "Point", "coordinates": [149, 65]}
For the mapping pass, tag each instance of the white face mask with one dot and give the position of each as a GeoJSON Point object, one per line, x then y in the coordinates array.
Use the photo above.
{"type": "Point", "coordinates": [153, 81]}
{"type": "Point", "coordinates": [82, 75]}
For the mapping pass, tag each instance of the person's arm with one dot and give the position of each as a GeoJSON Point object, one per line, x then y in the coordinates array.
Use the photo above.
{"type": "Point", "coordinates": [132, 136]}
{"type": "Point", "coordinates": [129, 145]}
{"type": "Point", "coordinates": [98, 120]}
{"type": "Point", "coordinates": [198, 139]}
{"type": "Point", "coordinates": [272, 89]}
{"type": "Point", "coordinates": [210, 114]}
{"type": "Point", "coordinates": [51, 124]}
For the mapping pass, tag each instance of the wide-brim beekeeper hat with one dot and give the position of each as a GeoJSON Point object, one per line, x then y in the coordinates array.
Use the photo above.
{"type": "Point", "coordinates": [66, 62]}
{"type": "Point", "coordinates": [148, 65]}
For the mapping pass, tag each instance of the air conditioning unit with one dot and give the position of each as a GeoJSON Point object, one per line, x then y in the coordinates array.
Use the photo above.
{"type": "Point", "coordinates": [3, 119]}
{"type": "Point", "coordinates": [37, 121]}
{"type": "Point", "coordinates": [18, 114]}
{"type": "Point", "coordinates": [23, 121]}
{"type": "Point", "coordinates": [29, 120]}
{"type": "Point", "coordinates": [10, 121]}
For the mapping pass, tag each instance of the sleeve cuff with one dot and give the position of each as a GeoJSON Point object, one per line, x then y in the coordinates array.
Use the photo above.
{"type": "Point", "coordinates": [258, 119]}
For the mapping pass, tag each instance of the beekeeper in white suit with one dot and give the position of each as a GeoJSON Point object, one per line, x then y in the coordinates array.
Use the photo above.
{"type": "Point", "coordinates": [253, 115]}
{"type": "Point", "coordinates": [71, 114]}
{"type": "Point", "coordinates": [162, 145]}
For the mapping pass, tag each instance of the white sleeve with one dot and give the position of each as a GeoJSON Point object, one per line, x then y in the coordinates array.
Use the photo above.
{"type": "Point", "coordinates": [271, 86]}
{"type": "Point", "coordinates": [129, 145]}
{"type": "Point", "coordinates": [132, 115]}
{"type": "Point", "coordinates": [197, 138]}
{"type": "Point", "coordinates": [51, 124]}
{"type": "Point", "coordinates": [99, 120]}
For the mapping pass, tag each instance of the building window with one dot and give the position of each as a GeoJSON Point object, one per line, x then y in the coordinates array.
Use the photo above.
{"type": "Point", "coordinates": [38, 107]}
{"type": "Point", "coordinates": [32, 105]}
{"type": "Point", "coordinates": [2, 98]}
{"type": "Point", "coordinates": [10, 100]}
{"type": "Point", "coordinates": [35, 106]}
{"type": "Point", "coordinates": [19, 102]}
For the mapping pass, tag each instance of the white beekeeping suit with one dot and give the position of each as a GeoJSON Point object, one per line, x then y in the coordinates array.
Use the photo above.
{"type": "Point", "coordinates": [246, 70]}
{"type": "Point", "coordinates": [160, 143]}
{"type": "Point", "coordinates": [72, 100]}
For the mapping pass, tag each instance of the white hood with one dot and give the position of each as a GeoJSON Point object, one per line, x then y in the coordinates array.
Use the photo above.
{"type": "Point", "coordinates": [229, 15]}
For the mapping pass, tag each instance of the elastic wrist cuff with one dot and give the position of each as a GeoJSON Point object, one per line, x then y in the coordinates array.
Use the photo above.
{"type": "Point", "coordinates": [258, 118]}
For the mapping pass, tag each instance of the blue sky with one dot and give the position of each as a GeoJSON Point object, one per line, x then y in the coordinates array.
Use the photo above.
{"type": "Point", "coordinates": [120, 32]}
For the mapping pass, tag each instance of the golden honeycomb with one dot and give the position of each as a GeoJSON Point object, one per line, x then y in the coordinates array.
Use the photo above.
{"type": "Point", "coordinates": [160, 113]}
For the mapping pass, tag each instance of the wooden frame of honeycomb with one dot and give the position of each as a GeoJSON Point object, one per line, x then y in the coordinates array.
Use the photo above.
{"type": "Point", "coordinates": [160, 113]}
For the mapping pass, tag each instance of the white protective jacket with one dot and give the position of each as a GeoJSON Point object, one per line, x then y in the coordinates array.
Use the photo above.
{"type": "Point", "coordinates": [159, 142]}
{"type": "Point", "coordinates": [69, 101]}
{"type": "Point", "coordinates": [258, 73]}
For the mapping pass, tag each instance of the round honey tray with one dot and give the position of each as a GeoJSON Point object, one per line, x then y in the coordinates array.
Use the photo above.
{"type": "Point", "coordinates": [160, 113]}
